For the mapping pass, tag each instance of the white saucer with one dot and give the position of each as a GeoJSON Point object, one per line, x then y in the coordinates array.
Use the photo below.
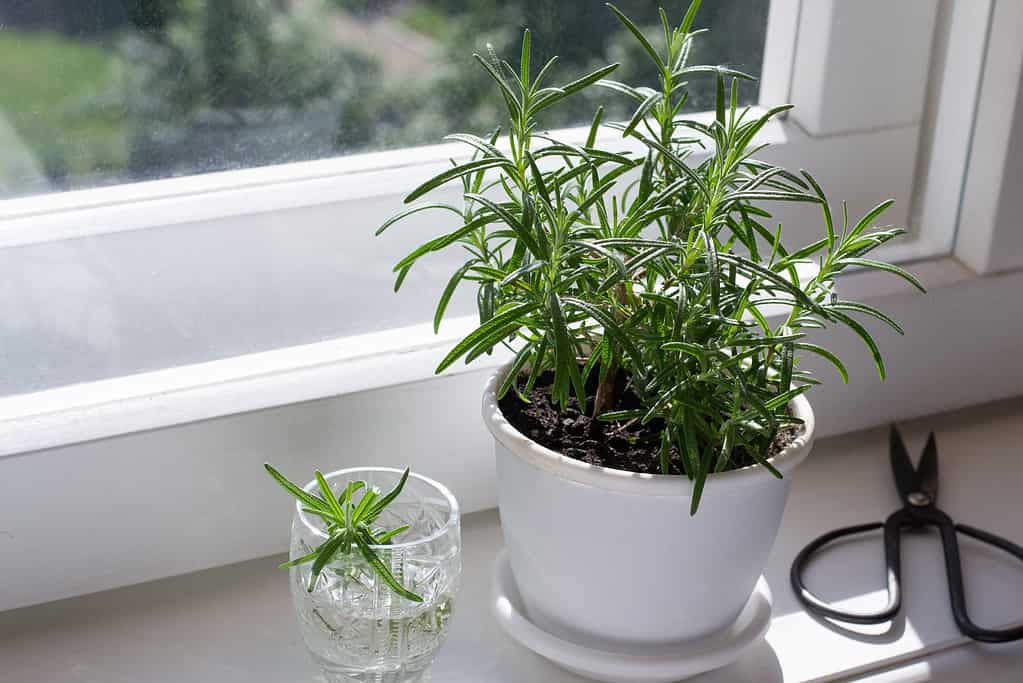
{"type": "Point", "coordinates": [665, 664]}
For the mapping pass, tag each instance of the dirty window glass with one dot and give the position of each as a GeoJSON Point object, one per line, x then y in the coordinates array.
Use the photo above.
{"type": "Point", "coordinates": [102, 92]}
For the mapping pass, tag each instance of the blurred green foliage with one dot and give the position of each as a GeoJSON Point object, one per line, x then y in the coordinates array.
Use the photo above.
{"type": "Point", "coordinates": [234, 55]}
{"type": "Point", "coordinates": [57, 130]}
{"type": "Point", "coordinates": [166, 87]}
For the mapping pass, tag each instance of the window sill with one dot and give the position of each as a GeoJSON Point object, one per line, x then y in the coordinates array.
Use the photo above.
{"type": "Point", "coordinates": [152, 400]}
{"type": "Point", "coordinates": [123, 405]}
{"type": "Point", "coordinates": [239, 621]}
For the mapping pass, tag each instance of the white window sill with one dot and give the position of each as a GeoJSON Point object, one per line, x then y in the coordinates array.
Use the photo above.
{"type": "Point", "coordinates": [134, 403]}
{"type": "Point", "coordinates": [237, 623]}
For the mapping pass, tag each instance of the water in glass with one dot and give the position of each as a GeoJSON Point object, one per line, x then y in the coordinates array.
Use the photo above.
{"type": "Point", "coordinates": [356, 628]}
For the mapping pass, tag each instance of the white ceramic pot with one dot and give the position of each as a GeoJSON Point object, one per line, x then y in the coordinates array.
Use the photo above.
{"type": "Point", "coordinates": [604, 556]}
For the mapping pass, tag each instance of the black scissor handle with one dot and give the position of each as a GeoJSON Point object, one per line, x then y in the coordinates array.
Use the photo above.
{"type": "Point", "coordinates": [892, 526]}
{"type": "Point", "coordinates": [955, 580]}
{"type": "Point", "coordinates": [817, 606]}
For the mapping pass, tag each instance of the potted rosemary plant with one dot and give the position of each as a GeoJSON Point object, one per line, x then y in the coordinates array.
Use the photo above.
{"type": "Point", "coordinates": [657, 321]}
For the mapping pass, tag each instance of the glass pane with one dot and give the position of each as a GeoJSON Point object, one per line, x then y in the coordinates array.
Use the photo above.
{"type": "Point", "coordinates": [101, 92]}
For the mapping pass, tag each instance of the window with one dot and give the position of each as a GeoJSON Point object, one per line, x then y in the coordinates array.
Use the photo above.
{"type": "Point", "coordinates": [105, 283]}
{"type": "Point", "coordinates": [132, 306]}
{"type": "Point", "coordinates": [120, 91]}
{"type": "Point", "coordinates": [116, 92]}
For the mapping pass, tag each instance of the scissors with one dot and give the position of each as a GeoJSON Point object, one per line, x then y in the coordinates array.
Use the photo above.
{"type": "Point", "coordinates": [918, 489]}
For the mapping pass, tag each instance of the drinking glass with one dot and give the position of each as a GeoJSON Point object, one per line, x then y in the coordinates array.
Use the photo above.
{"type": "Point", "coordinates": [356, 628]}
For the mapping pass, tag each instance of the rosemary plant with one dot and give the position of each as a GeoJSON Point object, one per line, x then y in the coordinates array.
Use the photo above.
{"type": "Point", "coordinates": [656, 265]}
{"type": "Point", "coordinates": [349, 526]}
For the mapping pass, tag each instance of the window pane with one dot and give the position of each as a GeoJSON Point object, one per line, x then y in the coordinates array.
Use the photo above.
{"type": "Point", "coordinates": [101, 92]}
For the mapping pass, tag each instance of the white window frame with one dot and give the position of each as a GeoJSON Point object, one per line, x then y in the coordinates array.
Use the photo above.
{"type": "Point", "coordinates": [801, 36]}
{"type": "Point", "coordinates": [969, 254]}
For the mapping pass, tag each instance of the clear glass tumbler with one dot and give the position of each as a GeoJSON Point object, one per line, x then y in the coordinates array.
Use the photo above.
{"type": "Point", "coordinates": [358, 629]}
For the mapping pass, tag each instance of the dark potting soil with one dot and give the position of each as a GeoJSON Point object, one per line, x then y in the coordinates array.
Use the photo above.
{"type": "Point", "coordinates": [627, 446]}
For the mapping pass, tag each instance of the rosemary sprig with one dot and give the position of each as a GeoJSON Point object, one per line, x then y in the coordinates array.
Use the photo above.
{"type": "Point", "coordinates": [349, 526]}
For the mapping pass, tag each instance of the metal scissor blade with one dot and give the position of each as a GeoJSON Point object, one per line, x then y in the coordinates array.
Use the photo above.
{"type": "Point", "coordinates": [927, 470]}
{"type": "Point", "coordinates": [902, 466]}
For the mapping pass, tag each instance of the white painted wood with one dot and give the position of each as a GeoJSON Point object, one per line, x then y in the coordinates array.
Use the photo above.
{"type": "Point", "coordinates": [196, 186]}
{"type": "Point", "coordinates": [809, 66]}
{"type": "Point", "coordinates": [862, 169]}
{"type": "Point", "coordinates": [861, 65]}
{"type": "Point", "coordinates": [779, 52]}
{"type": "Point", "coordinates": [235, 624]}
{"type": "Point", "coordinates": [956, 71]}
{"type": "Point", "coordinates": [94, 410]}
{"type": "Point", "coordinates": [118, 511]}
{"type": "Point", "coordinates": [990, 236]}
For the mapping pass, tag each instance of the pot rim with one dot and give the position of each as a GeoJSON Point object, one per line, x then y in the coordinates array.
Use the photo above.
{"type": "Point", "coordinates": [624, 481]}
